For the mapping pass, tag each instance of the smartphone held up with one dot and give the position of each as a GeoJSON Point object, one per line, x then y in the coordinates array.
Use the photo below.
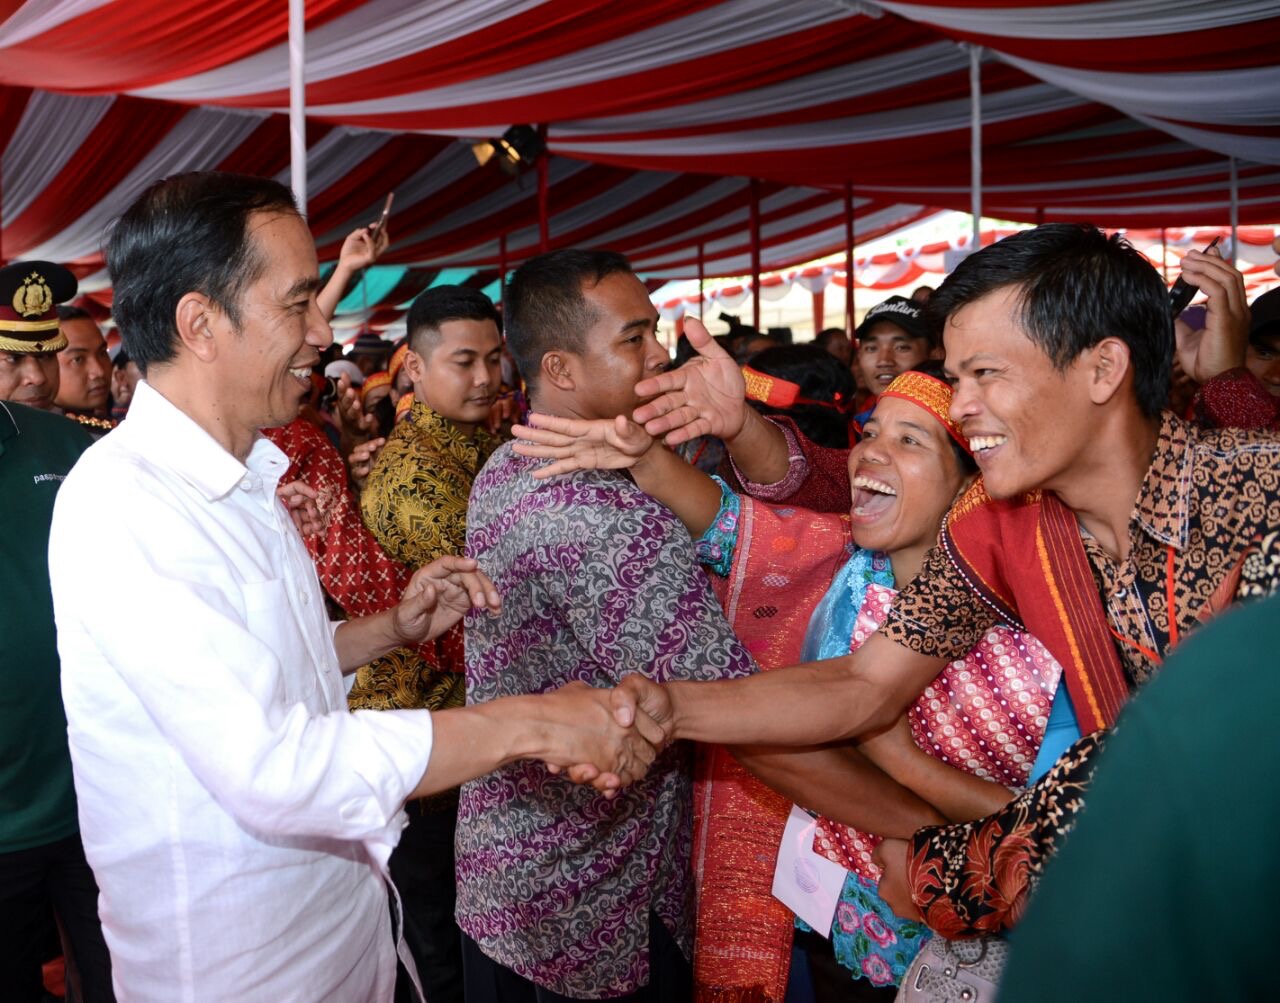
{"type": "Point", "coordinates": [1182, 291]}
{"type": "Point", "coordinates": [382, 220]}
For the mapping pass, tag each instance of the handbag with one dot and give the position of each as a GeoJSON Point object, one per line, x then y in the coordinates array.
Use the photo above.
{"type": "Point", "coordinates": [955, 971]}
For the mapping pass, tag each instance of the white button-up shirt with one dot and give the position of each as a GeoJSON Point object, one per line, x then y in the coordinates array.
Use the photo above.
{"type": "Point", "coordinates": [237, 817]}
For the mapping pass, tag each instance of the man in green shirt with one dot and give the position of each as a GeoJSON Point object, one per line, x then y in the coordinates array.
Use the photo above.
{"type": "Point", "coordinates": [1163, 890]}
{"type": "Point", "coordinates": [42, 863]}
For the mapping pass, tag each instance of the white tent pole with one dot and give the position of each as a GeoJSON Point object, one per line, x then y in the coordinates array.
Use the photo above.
{"type": "Point", "coordinates": [975, 141]}
{"type": "Point", "coordinates": [298, 102]}
{"type": "Point", "coordinates": [1235, 209]}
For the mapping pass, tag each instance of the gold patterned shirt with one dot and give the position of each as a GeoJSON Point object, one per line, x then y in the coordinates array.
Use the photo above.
{"type": "Point", "coordinates": [415, 500]}
{"type": "Point", "coordinates": [415, 504]}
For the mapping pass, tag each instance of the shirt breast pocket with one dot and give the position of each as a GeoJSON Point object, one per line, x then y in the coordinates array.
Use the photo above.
{"type": "Point", "coordinates": [270, 618]}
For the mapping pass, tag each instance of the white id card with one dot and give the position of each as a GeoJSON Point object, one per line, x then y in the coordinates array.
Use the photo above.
{"type": "Point", "coordinates": [805, 882]}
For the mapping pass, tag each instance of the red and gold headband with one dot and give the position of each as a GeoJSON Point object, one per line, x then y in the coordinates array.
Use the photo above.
{"type": "Point", "coordinates": [931, 394]}
{"type": "Point", "coordinates": [372, 382]}
{"type": "Point", "coordinates": [397, 361]}
{"type": "Point", "coordinates": [403, 404]}
{"type": "Point", "coordinates": [780, 393]}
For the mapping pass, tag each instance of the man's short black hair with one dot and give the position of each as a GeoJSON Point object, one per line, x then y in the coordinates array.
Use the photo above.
{"type": "Point", "coordinates": [1077, 286]}
{"type": "Point", "coordinates": [121, 360]}
{"type": "Point", "coordinates": [187, 233]}
{"type": "Point", "coordinates": [829, 334]}
{"type": "Point", "coordinates": [66, 312]}
{"type": "Point", "coordinates": [545, 308]}
{"type": "Point", "coordinates": [439, 305]}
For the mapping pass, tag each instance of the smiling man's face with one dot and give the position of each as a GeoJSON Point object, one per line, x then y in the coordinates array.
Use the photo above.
{"type": "Point", "coordinates": [1027, 422]}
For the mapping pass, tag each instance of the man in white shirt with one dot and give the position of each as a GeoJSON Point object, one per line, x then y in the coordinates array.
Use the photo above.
{"type": "Point", "coordinates": [237, 817]}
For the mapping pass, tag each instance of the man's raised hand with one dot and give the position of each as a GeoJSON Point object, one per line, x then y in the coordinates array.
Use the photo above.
{"type": "Point", "coordinates": [1221, 345]}
{"type": "Point", "coordinates": [363, 247]}
{"type": "Point", "coordinates": [705, 396]}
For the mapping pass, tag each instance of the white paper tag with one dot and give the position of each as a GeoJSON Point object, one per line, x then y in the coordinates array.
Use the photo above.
{"type": "Point", "coordinates": [805, 882]}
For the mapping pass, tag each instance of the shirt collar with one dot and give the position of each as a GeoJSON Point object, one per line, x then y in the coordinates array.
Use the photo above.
{"type": "Point", "coordinates": [1162, 509]}
{"type": "Point", "coordinates": [8, 424]}
{"type": "Point", "coordinates": [443, 431]}
{"type": "Point", "coordinates": [170, 437]}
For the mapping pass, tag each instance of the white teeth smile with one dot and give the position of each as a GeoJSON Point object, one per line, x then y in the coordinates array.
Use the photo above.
{"type": "Point", "coordinates": [871, 484]}
{"type": "Point", "coordinates": [982, 442]}
{"type": "Point", "coordinates": [303, 374]}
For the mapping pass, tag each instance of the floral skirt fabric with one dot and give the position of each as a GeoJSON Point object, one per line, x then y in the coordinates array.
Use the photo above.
{"type": "Point", "coordinates": [869, 939]}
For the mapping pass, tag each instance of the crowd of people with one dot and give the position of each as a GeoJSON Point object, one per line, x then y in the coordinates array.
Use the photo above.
{"type": "Point", "coordinates": [519, 661]}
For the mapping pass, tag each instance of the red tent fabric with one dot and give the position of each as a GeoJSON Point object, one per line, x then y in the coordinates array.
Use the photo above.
{"type": "Point", "coordinates": [1123, 113]}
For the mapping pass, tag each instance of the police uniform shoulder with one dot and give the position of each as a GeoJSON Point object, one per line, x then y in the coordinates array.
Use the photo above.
{"type": "Point", "coordinates": [95, 424]}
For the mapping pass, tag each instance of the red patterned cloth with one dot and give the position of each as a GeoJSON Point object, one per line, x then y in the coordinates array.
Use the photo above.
{"type": "Point", "coordinates": [784, 561]}
{"type": "Point", "coordinates": [1236, 399]}
{"type": "Point", "coordinates": [353, 569]}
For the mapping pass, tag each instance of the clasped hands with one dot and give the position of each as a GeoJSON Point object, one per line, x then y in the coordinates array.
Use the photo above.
{"type": "Point", "coordinates": [607, 738]}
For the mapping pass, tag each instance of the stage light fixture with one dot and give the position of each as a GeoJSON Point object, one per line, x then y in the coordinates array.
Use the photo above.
{"type": "Point", "coordinates": [516, 152]}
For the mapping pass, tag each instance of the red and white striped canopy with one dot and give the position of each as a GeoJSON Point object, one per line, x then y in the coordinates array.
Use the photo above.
{"type": "Point", "coordinates": [1122, 112]}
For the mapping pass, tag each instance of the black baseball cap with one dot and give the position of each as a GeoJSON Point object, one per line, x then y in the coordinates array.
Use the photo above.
{"type": "Point", "coordinates": [1264, 315]}
{"type": "Point", "coordinates": [898, 310]}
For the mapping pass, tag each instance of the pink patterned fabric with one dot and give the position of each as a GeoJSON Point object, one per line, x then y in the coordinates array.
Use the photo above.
{"type": "Point", "coordinates": [985, 714]}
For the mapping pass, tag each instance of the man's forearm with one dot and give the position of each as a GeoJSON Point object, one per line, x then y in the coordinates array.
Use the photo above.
{"type": "Point", "coordinates": [468, 742]}
{"type": "Point", "coordinates": [797, 706]}
{"type": "Point", "coordinates": [331, 295]}
{"type": "Point", "coordinates": [759, 450]}
{"type": "Point", "coordinates": [842, 784]}
{"type": "Point", "coordinates": [361, 641]}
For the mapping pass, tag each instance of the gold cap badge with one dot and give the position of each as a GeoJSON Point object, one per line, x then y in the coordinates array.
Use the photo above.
{"type": "Point", "coordinates": [33, 297]}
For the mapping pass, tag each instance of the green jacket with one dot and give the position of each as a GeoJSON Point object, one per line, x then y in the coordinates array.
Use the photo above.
{"type": "Point", "coordinates": [37, 798]}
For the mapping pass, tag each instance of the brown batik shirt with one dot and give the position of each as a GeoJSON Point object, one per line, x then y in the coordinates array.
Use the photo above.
{"type": "Point", "coordinates": [1208, 498]}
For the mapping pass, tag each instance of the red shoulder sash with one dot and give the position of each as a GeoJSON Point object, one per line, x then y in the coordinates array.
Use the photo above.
{"type": "Point", "coordinates": [1023, 557]}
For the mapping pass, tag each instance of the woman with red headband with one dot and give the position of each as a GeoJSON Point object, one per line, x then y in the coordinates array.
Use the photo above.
{"type": "Point", "coordinates": [813, 585]}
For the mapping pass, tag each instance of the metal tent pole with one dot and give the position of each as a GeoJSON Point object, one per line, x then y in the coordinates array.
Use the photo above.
{"type": "Point", "coordinates": [1235, 210]}
{"type": "Point", "coordinates": [544, 181]}
{"type": "Point", "coordinates": [298, 102]}
{"type": "Point", "coordinates": [502, 275]}
{"type": "Point", "coordinates": [849, 302]}
{"type": "Point", "coordinates": [755, 253]}
{"type": "Point", "coordinates": [975, 142]}
{"type": "Point", "coordinates": [702, 280]}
